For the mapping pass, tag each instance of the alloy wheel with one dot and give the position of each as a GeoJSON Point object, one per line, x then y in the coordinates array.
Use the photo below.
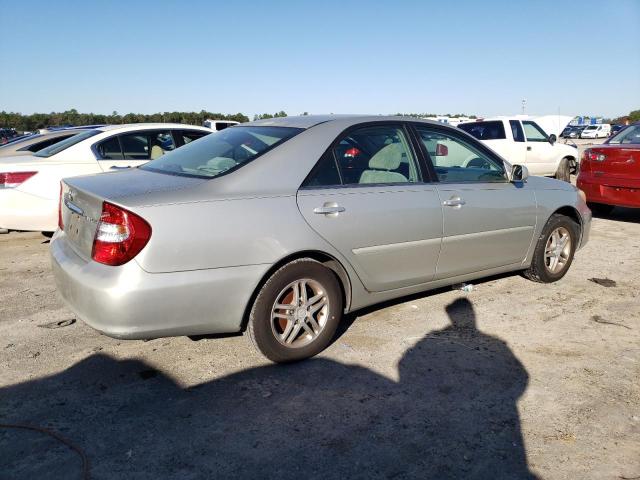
{"type": "Point", "coordinates": [300, 313]}
{"type": "Point", "coordinates": [557, 251]}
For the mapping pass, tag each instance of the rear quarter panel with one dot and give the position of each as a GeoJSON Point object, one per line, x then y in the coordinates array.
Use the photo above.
{"type": "Point", "coordinates": [226, 233]}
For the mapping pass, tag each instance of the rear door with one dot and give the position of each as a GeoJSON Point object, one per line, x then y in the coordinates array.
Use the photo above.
{"type": "Point", "coordinates": [488, 222]}
{"type": "Point", "coordinates": [368, 197]}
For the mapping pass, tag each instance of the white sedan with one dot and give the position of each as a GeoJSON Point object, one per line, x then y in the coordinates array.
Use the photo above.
{"type": "Point", "coordinates": [30, 185]}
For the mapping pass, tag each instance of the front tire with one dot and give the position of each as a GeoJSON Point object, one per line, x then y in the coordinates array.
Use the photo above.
{"type": "Point", "coordinates": [296, 312]}
{"type": "Point", "coordinates": [554, 251]}
{"type": "Point", "coordinates": [564, 171]}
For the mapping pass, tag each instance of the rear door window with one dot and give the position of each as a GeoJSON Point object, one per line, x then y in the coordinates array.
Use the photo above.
{"type": "Point", "coordinates": [110, 149]}
{"type": "Point", "coordinates": [148, 145]}
{"type": "Point", "coordinates": [490, 130]}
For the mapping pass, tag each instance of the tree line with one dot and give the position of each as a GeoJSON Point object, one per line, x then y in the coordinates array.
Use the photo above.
{"type": "Point", "coordinates": [35, 121]}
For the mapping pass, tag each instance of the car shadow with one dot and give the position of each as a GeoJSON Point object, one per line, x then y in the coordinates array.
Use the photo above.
{"type": "Point", "coordinates": [622, 214]}
{"type": "Point", "coordinates": [451, 414]}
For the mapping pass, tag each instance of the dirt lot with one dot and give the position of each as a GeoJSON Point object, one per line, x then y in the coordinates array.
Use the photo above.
{"type": "Point", "coordinates": [512, 380]}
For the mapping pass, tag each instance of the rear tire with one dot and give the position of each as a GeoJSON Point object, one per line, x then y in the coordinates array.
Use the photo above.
{"type": "Point", "coordinates": [313, 293]}
{"type": "Point", "coordinates": [564, 171]}
{"type": "Point", "coordinates": [551, 257]}
{"type": "Point", "coordinates": [600, 209]}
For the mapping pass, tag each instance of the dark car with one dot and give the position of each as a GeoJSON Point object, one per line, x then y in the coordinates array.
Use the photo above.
{"type": "Point", "coordinates": [615, 129]}
{"type": "Point", "coordinates": [573, 131]}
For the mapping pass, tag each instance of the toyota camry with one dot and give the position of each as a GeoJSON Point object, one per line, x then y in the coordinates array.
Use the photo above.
{"type": "Point", "coordinates": [279, 227]}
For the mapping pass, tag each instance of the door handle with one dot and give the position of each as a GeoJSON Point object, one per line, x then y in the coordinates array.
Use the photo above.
{"type": "Point", "coordinates": [328, 209]}
{"type": "Point", "coordinates": [528, 149]}
{"type": "Point", "coordinates": [454, 202]}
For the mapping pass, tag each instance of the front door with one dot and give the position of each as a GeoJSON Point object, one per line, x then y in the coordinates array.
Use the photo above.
{"type": "Point", "coordinates": [366, 197]}
{"type": "Point", "coordinates": [488, 222]}
{"type": "Point", "coordinates": [541, 156]}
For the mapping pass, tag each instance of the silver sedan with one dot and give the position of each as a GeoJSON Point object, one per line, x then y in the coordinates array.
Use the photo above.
{"type": "Point", "coordinates": [279, 227]}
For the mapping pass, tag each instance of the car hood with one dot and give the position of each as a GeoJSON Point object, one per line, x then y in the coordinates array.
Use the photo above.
{"type": "Point", "coordinates": [546, 183]}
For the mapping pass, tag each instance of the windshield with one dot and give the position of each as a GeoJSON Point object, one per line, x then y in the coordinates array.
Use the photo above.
{"type": "Point", "coordinates": [627, 135]}
{"type": "Point", "coordinates": [492, 130]}
{"type": "Point", "coordinates": [219, 152]}
{"type": "Point", "coordinates": [64, 144]}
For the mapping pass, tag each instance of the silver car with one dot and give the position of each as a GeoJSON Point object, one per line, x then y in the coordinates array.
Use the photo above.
{"type": "Point", "coordinates": [279, 227]}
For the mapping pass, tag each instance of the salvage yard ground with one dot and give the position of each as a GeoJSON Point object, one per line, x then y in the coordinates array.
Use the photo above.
{"type": "Point", "coordinates": [529, 378]}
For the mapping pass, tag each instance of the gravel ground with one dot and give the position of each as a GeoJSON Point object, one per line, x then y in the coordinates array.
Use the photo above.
{"type": "Point", "coordinates": [512, 380]}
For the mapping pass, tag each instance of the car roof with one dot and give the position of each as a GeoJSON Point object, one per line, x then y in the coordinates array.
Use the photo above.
{"type": "Point", "coordinates": [308, 121]}
{"type": "Point", "coordinates": [149, 126]}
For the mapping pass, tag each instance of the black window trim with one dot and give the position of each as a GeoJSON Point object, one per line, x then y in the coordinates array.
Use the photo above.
{"type": "Point", "coordinates": [465, 137]}
{"type": "Point", "coordinates": [518, 124]}
{"type": "Point", "coordinates": [329, 151]}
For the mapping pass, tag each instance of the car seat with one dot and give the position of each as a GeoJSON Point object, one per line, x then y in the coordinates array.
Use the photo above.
{"type": "Point", "coordinates": [380, 165]}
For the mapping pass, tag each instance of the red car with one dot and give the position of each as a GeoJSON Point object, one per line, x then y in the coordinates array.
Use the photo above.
{"type": "Point", "coordinates": [610, 173]}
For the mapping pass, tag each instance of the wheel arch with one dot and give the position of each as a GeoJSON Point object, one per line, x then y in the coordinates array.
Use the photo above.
{"type": "Point", "coordinates": [573, 163]}
{"type": "Point", "coordinates": [324, 258]}
{"type": "Point", "coordinates": [571, 212]}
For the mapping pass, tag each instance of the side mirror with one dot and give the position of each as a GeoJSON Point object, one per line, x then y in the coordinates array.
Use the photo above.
{"type": "Point", "coordinates": [552, 139]}
{"type": "Point", "coordinates": [519, 173]}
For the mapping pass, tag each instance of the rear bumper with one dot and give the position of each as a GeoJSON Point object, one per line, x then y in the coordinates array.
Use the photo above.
{"type": "Point", "coordinates": [610, 191]}
{"type": "Point", "coordinates": [127, 302]}
{"type": "Point", "coordinates": [24, 211]}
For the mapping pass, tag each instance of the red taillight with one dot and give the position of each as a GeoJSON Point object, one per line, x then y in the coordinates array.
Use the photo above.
{"type": "Point", "coordinates": [60, 224]}
{"type": "Point", "coordinates": [13, 179]}
{"type": "Point", "coordinates": [120, 235]}
{"type": "Point", "coordinates": [592, 156]}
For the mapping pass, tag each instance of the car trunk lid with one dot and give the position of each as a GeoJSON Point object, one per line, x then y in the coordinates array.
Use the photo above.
{"type": "Point", "coordinates": [615, 163]}
{"type": "Point", "coordinates": [82, 200]}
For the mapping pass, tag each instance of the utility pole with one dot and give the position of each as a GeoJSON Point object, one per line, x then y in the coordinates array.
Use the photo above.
{"type": "Point", "coordinates": [524, 105]}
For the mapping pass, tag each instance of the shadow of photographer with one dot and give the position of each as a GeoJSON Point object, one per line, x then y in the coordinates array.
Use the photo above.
{"type": "Point", "coordinates": [452, 414]}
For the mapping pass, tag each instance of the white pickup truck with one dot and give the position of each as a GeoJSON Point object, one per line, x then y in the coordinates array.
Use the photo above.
{"type": "Point", "coordinates": [524, 142]}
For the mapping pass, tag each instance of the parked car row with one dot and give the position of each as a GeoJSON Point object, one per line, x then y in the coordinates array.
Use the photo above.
{"type": "Point", "coordinates": [30, 181]}
{"type": "Point", "coordinates": [602, 130]}
{"type": "Point", "coordinates": [6, 135]}
{"type": "Point", "coordinates": [279, 227]}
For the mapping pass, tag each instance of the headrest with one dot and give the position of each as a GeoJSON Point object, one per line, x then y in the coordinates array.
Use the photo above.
{"type": "Point", "coordinates": [387, 158]}
{"type": "Point", "coordinates": [221, 163]}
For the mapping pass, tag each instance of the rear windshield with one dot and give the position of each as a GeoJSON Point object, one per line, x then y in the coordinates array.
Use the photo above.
{"type": "Point", "coordinates": [627, 135]}
{"type": "Point", "coordinates": [64, 144]}
{"type": "Point", "coordinates": [492, 130]}
{"type": "Point", "coordinates": [220, 152]}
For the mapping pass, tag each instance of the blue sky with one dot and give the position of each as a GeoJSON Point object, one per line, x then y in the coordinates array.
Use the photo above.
{"type": "Point", "coordinates": [482, 56]}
